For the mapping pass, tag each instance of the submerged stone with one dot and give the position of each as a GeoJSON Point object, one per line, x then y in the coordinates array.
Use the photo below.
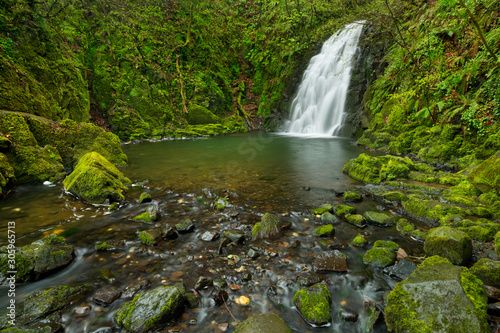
{"type": "Point", "coordinates": [359, 241]}
{"type": "Point", "coordinates": [313, 304]}
{"type": "Point", "coordinates": [324, 231]}
{"type": "Point", "coordinates": [151, 310]}
{"type": "Point", "coordinates": [184, 226]}
{"type": "Point", "coordinates": [169, 232]}
{"type": "Point", "coordinates": [109, 245]}
{"type": "Point", "coordinates": [330, 261]}
{"type": "Point", "coordinates": [438, 297]}
{"type": "Point", "coordinates": [380, 219]}
{"type": "Point", "coordinates": [449, 243]}
{"type": "Point", "coordinates": [145, 197]}
{"type": "Point", "coordinates": [488, 271]}
{"type": "Point", "coordinates": [151, 214]}
{"type": "Point", "coordinates": [268, 227]}
{"type": "Point", "coordinates": [342, 210]}
{"type": "Point", "coordinates": [329, 217]}
{"type": "Point", "coordinates": [96, 180]}
{"type": "Point", "coordinates": [268, 322]}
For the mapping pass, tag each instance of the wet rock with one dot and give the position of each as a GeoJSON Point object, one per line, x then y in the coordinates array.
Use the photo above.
{"type": "Point", "coordinates": [371, 169]}
{"type": "Point", "coordinates": [493, 309]}
{"type": "Point", "coordinates": [220, 283]}
{"type": "Point", "coordinates": [222, 244]}
{"type": "Point", "coordinates": [330, 261]}
{"type": "Point", "coordinates": [350, 196]}
{"type": "Point", "coordinates": [220, 296]}
{"type": "Point", "coordinates": [449, 243]}
{"type": "Point", "coordinates": [145, 197]}
{"type": "Point", "coordinates": [356, 219]}
{"type": "Point", "coordinates": [82, 310]}
{"type": "Point", "coordinates": [96, 180]}
{"type": "Point", "coordinates": [151, 310]}
{"type": "Point", "coordinates": [253, 254]}
{"type": "Point", "coordinates": [313, 304]}
{"type": "Point", "coordinates": [210, 236]}
{"type": "Point", "coordinates": [106, 275]}
{"type": "Point", "coordinates": [268, 227]}
{"type": "Point", "coordinates": [109, 245]}
{"type": "Point", "coordinates": [105, 296]}
{"type": "Point", "coordinates": [151, 214]}
{"type": "Point", "coordinates": [394, 196]}
{"type": "Point", "coordinates": [246, 277]}
{"type": "Point", "coordinates": [150, 237]}
{"type": "Point", "coordinates": [330, 244]}
{"type": "Point", "coordinates": [485, 175]}
{"type": "Point", "coordinates": [401, 270]}
{"type": "Point", "coordinates": [324, 231]}
{"type": "Point", "coordinates": [371, 316]}
{"type": "Point", "coordinates": [203, 282]}
{"type": "Point", "coordinates": [359, 240]}
{"type": "Point", "coordinates": [306, 280]}
{"type": "Point", "coordinates": [169, 232]}
{"type": "Point", "coordinates": [234, 287]}
{"type": "Point", "coordinates": [221, 328]}
{"type": "Point", "coordinates": [381, 255]}
{"type": "Point", "coordinates": [348, 316]}
{"type": "Point", "coordinates": [235, 236]}
{"type": "Point", "coordinates": [342, 210]}
{"type": "Point", "coordinates": [492, 292]}
{"type": "Point", "coordinates": [401, 254]}
{"type": "Point", "coordinates": [435, 293]}
{"type": "Point", "coordinates": [268, 322]}
{"type": "Point", "coordinates": [323, 209]}
{"type": "Point", "coordinates": [193, 299]}
{"type": "Point", "coordinates": [134, 288]}
{"type": "Point", "coordinates": [184, 226]}
{"type": "Point", "coordinates": [329, 217]}
{"type": "Point", "coordinates": [408, 229]}
{"type": "Point", "coordinates": [488, 271]}
{"type": "Point", "coordinates": [380, 219]}
{"type": "Point", "coordinates": [36, 260]}
{"type": "Point", "coordinates": [497, 243]}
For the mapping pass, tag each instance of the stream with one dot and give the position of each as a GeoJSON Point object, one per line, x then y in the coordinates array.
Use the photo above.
{"type": "Point", "coordinates": [257, 173]}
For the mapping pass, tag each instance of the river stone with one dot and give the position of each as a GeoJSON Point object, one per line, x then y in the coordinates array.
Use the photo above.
{"type": "Point", "coordinates": [184, 226]}
{"type": "Point", "coordinates": [403, 269]}
{"type": "Point", "coordinates": [235, 236]}
{"type": "Point", "coordinates": [37, 259]}
{"type": "Point", "coordinates": [313, 304]}
{"type": "Point", "coordinates": [150, 215]}
{"type": "Point", "coordinates": [449, 243]}
{"type": "Point", "coordinates": [151, 310]}
{"type": "Point", "coordinates": [134, 287]}
{"type": "Point", "coordinates": [150, 237]}
{"type": "Point", "coordinates": [330, 261]}
{"type": "Point", "coordinates": [203, 283]}
{"type": "Point", "coordinates": [381, 255]}
{"type": "Point", "coordinates": [323, 209]}
{"type": "Point", "coordinates": [268, 227]}
{"type": "Point", "coordinates": [145, 197]}
{"type": "Point", "coordinates": [265, 323]}
{"type": "Point", "coordinates": [380, 219]}
{"type": "Point", "coordinates": [329, 217]}
{"type": "Point", "coordinates": [356, 219]}
{"type": "Point", "coordinates": [497, 243]}
{"type": "Point", "coordinates": [359, 241]}
{"type": "Point", "coordinates": [350, 196]}
{"type": "Point", "coordinates": [488, 271]}
{"type": "Point", "coordinates": [486, 176]}
{"type": "Point", "coordinates": [169, 232]}
{"type": "Point", "coordinates": [109, 245]}
{"type": "Point", "coordinates": [438, 297]}
{"type": "Point", "coordinates": [324, 231]}
{"type": "Point", "coordinates": [209, 236]}
{"type": "Point", "coordinates": [342, 210]}
{"type": "Point", "coordinates": [105, 296]}
{"type": "Point", "coordinates": [96, 180]}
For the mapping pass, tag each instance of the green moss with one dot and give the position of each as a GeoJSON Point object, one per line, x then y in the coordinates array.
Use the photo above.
{"type": "Point", "coordinates": [377, 169]}
{"type": "Point", "coordinates": [379, 257]}
{"type": "Point", "coordinates": [408, 229]}
{"type": "Point", "coordinates": [198, 115]}
{"type": "Point", "coordinates": [359, 241]}
{"type": "Point", "coordinates": [146, 238]}
{"type": "Point", "coordinates": [324, 231]}
{"type": "Point", "coordinates": [268, 227]}
{"type": "Point", "coordinates": [449, 243]}
{"type": "Point", "coordinates": [357, 219]}
{"type": "Point", "coordinates": [434, 260]}
{"type": "Point", "coordinates": [323, 209]}
{"type": "Point", "coordinates": [497, 243]}
{"type": "Point", "coordinates": [350, 196]}
{"type": "Point", "coordinates": [487, 271]}
{"type": "Point", "coordinates": [6, 173]}
{"type": "Point", "coordinates": [144, 197]}
{"type": "Point", "coordinates": [486, 176]}
{"type": "Point", "coordinates": [15, 125]}
{"type": "Point", "coordinates": [103, 246]}
{"type": "Point", "coordinates": [387, 244]}
{"type": "Point", "coordinates": [149, 216]}
{"type": "Point", "coordinates": [314, 304]}
{"type": "Point", "coordinates": [474, 290]}
{"type": "Point", "coordinates": [342, 210]}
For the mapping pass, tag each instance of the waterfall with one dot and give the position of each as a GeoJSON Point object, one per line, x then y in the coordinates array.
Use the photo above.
{"type": "Point", "coordinates": [318, 108]}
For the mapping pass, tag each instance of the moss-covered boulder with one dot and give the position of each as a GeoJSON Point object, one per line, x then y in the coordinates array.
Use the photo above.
{"type": "Point", "coordinates": [374, 170]}
{"type": "Point", "coordinates": [488, 271]}
{"type": "Point", "coordinates": [438, 297]}
{"type": "Point", "coordinates": [356, 219]}
{"type": "Point", "coordinates": [44, 302]}
{"type": "Point", "coordinates": [408, 229]}
{"type": "Point", "coordinates": [449, 243]}
{"type": "Point", "coordinates": [323, 209]}
{"type": "Point", "coordinates": [145, 197]}
{"type": "Point", "coordinates": [329, 217]}
{"type": "Point", "coordinates": [486, 176]}
{"type": "Point", "coordinates": [482, 229]}
{"type": "Point", "coordinates": [151, 310]}
{"type": "Point", "coordinates": [199, 115]}
{"type": "Point", "coordinates": [184, 226]}
{"type": "Point", "coordinates": [16, 127]}
{"type": "Point", "coordinates": [34, 164]}
{"type": "Point", "coordinates": [359, 241]}
{"type": "Point", "coordinates": [380, 219]}
{"type": "Point", "coordinates": [150, 215]}
{"type": "Point", "coordinates": [150, 237]}
{"type": "Point", "coordinates": [313, 304]}
{"type": "Point", "coordinates": [268, 227]}
{"type": "Point", "coordinates": [395, 196]}
{"type": "Point", "coordinates": [381, 255]}
{"type": "Point", "coordinates": [36, 260]}
{"type": "Point", "coordinates": [326, 230]}
{"type": "Point", "coordinates": [96, 180]}
{"type": "Point", "coordinates": [351, 196]}
{"type": "Point", "coordinates": [6, 173]}
{"type": "Point", "coordinates": [497, 243]}
{"type": "Point", "coordinates": [432, 212]}
{"type": "Point", "coordinates": [268, 322]}
{"type": "Point", "coordinates": [342, 210]}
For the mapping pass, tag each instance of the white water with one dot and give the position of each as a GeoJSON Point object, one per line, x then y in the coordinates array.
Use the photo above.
{"type": "Point", "coordinates": [318, 108]}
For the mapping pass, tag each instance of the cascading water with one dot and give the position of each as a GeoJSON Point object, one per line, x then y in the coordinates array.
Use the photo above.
{"type": "Point", "coordinates": [318, 108]}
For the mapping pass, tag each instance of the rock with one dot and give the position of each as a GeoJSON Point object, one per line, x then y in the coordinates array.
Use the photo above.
{"type": "Point", "coordinates": [105, 296]}
{"type": "Point", "coordinates": [96, 180]}
{"type": "Point", "coordinates": [408, 229]}
{"type": "Point", "coordinates": [203, 283]}
{"type": "Point", "coordinates": [109, 245]}
{"type": "Point", "coordinates": [44, 302]}
{"type": "Point", "coordinates": [324, 231]}
{"type": "Point", "coordinates": [145, 197]}
{"type": "Point", "coordinates": [168, 232]}
{"type": "Point", "coordinates": [221, 327]}
{"type": "Point", "coordinates": [374, 170]}
{"type": "Point", "coordinates": [150, 237]}
{"type": "Point", "coordinates": [449, 243]}
{"type": "Point", "coordinates": [359, 241]}
{"type": "Point", "coordinates": [37, 259]}
{"type": "Point", "coordinates": [330, 261]}
{"type": "Point", "coordinates": [356, 219]}
{"type": "Point", "coordinates": [401, 254]}
{"type": "Point", "coordinates": [268, 227]}
{"type": "Point", "coordinates": [184, 226]}
{"type": "Point", "coordinates": [253, 254]}
{"type": "Point", "coordinates": [497, 243]}
{"type": "Point", "coordinates": [350, 196]}
{"type": "Point", "coordinates": [342, 210]}
{"type": "Point", "coordinates": [403, 269]}
{"type": "Point", "coordinates": [151, 214]}
{"type": "Point", "coordinates": [487, 271]}
{"type": "Point", "coordinates": [268, 322]}
{"type": "Point", "coordinates": [313, 304]}
{"type": "Point", "coordinates": [134, 288]}
{"type": "Point", "coordinates": [486, 176]}
{"type": "Point", "coordinates": [380, 219]}
{"type": "Point", "coordinates": [437, 297]}
{"type": "Point", "coordinates": [199, 115]}
{"type": "Point", "coordinates": [151, 310]}
{"type": "Point", "coordinates": [381, 255]}
{"type": "Point", "coordinates": [193, 299]}
{"type": "Point", "coordinates": [329, 217]}
{"type": "Point", "coordinates": [220, 283]}
{"type": "Point", "coordinates": [235, 236]}
{"type": "Point", "coordinates": [82, 310]}
{"type": "Point", "coordinates": [6, 172]}
{"type": "Point", "coordinates": [220, 296]}
{"type": "Point", "coordinates": [493, 309]}
{"type": "Point", "coordinates": [395, 196]}
{"type": "Point", "coordinates": [323, 209]}
{"type": "Point", "coordinates": [210, 236]}
{"type": "Point", "coordinates": [492, 292]}
{"type": "Point", "coordinates": [371, 316]}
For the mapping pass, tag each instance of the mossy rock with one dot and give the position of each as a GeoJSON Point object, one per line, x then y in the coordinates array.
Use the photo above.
{"type": "Point", "coordinates": [497, 243]}
{"type": "Point", "coordinates": [449, 243]}
{"type": "Point", "coordinates": [395, 196]}
{"type": "Point", "coordinates": [380, 219]}
{"type": "Point", "coordinates": [15, 125]}
{"type": "Point", "coordinates": [488, 271]}
{"type": "Point", "coordinates": [359, 241]}
{"type": "Point", "coordinates": [342, 210]}
{"type": "Point", "coordinates": [356, 219]}
{"type": "Point", "coordinates": [482, 229]}
{"type": "Point", "coordinates": [108, 245]}
{"type": "Point", "coordinates": [486, 176]}
{"type": "Point", "coordinates": [5, 143]}
{"type": "Point", "coordinates": [268, 322]}
{"type": "Point", "coordinates": [96, 180]}
{"type": "Point", "coordinates": [268, 227]}
{"type": "Point", "coordinates": [150, 215]}
{"type": "Point", "coordinates": [329, 217]}
{"type": "Point", "coordinates": [379, 257]}
{"type": "Point", "coordinates": [435, 293]}
{"type": "Point", "coordinates": [407, 229]}
{"type": "Point", "coordinates": [432, 212]}
{"type": "Point", "coordinates": [145, 197]}
{"type": "Point", "coordinates": [313, 304]}
{"type": "Point", "coordinates": [324, 231]}
{"type": "Point", "coordinates": [350, 196]}
{"type": "Point", "coordinates": [184, 226]}
{"type": "Point", "coordinates": [151, 310]}
{"type": "Point", "coordinates": [374, 170]}
{"type": "Point", "coordinates": [6, 173]}
{"type": "Point", "coordinates": [34, 165]}
{"type": "Point", "coordinates": [150, 237]}
{"type": "Point", "coordinates": [323, 209]}
{"type": "Point", "coordinates": [198, 115]}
